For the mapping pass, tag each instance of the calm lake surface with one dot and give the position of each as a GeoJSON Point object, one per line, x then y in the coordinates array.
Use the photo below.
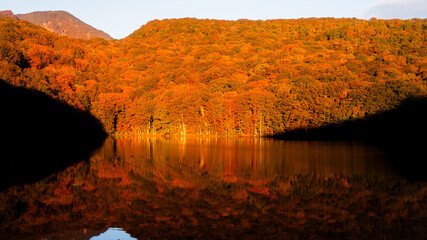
{"type": "Point", "coordinates": [257, 158]}
{"type": "Point", "coordinates": [221, 188]}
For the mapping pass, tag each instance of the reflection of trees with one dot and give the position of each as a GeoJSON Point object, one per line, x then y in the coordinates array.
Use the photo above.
{"type": "Point", "coordinates": [170, 195]}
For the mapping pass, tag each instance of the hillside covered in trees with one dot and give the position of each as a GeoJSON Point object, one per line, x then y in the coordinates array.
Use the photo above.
{"type": "Point", "coordinates": [190, 76]}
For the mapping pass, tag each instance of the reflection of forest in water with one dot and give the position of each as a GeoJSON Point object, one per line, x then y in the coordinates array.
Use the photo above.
{"type": "Point", "coordinates": [221, 188]}
{"type": "Point", "coordinates": [259, 157]}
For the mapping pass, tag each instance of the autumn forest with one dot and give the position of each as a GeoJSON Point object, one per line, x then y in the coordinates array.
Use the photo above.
{"type": "Point", "coordinates": [214, 77]}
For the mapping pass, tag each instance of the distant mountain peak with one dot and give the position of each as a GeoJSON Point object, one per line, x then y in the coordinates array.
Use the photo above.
{"type": "Point", "coordinates": [63, 23]}
{"type": "Point", "coordinates": [9, 14]}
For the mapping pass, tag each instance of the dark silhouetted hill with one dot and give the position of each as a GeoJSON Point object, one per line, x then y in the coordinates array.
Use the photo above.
{"type": "Point", "coordinates": [402, 131]}
{"type": "Point", "coordinates": [63, 23]}
{"type": "Point", "coordinates": [41, 135]}
{"type": "Point", "coordinates": [403, 123]}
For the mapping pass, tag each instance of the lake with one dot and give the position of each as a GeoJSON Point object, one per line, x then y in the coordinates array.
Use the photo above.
{"type": "Point", "coordinates": [221, 188]}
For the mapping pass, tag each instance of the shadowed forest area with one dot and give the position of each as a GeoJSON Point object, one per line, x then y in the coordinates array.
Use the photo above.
{"type": "Point", "coordinates": [42, 135]}
{"type": "Point", "coordinates": [401, 130]}
{"type": "Point", "coordinates": [405, 123]}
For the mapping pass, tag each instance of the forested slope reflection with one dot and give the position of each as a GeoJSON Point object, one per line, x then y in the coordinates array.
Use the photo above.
{"type": "Point", "coordinates": [258, 158]}
{"type": "Point", "coordinates": [41, 135]}
{"type": "Point", "coordinates": [183, 189]}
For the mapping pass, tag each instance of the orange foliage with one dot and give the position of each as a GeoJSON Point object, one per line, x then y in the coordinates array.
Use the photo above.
{"type": "Point", "coordinates": [190, 76]}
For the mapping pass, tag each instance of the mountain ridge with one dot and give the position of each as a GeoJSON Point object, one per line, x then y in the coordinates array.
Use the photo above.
{"type": "Point", "coordinates": [63, 23]}
{"type": "Point", "coordinates": [59, 22]}
{"type": "Point", "coordinates": [8, 14]}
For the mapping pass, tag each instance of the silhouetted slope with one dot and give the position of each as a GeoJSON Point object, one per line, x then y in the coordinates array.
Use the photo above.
{"type": "Point", "coordinates": [63, 23]}
{"type": "Point", "coordinates": [402, 131]}
{"type": "Point", "coordinates": [41, 135]}
{"type": "Point", "coordinates": [404, 123]}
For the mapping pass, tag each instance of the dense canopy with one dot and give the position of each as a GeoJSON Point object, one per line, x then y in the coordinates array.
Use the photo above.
{"type": "Point", "coordinates": [191, 76]}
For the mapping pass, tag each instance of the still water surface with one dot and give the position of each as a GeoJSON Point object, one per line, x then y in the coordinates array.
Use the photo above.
{"type": "Point", "coordinates": [245, 157]}
{"type": "Point", "coordinates": [220, 188]}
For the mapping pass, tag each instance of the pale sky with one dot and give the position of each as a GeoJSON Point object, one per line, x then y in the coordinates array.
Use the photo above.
{"type": "Point", "coordinates": [119, 18]}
